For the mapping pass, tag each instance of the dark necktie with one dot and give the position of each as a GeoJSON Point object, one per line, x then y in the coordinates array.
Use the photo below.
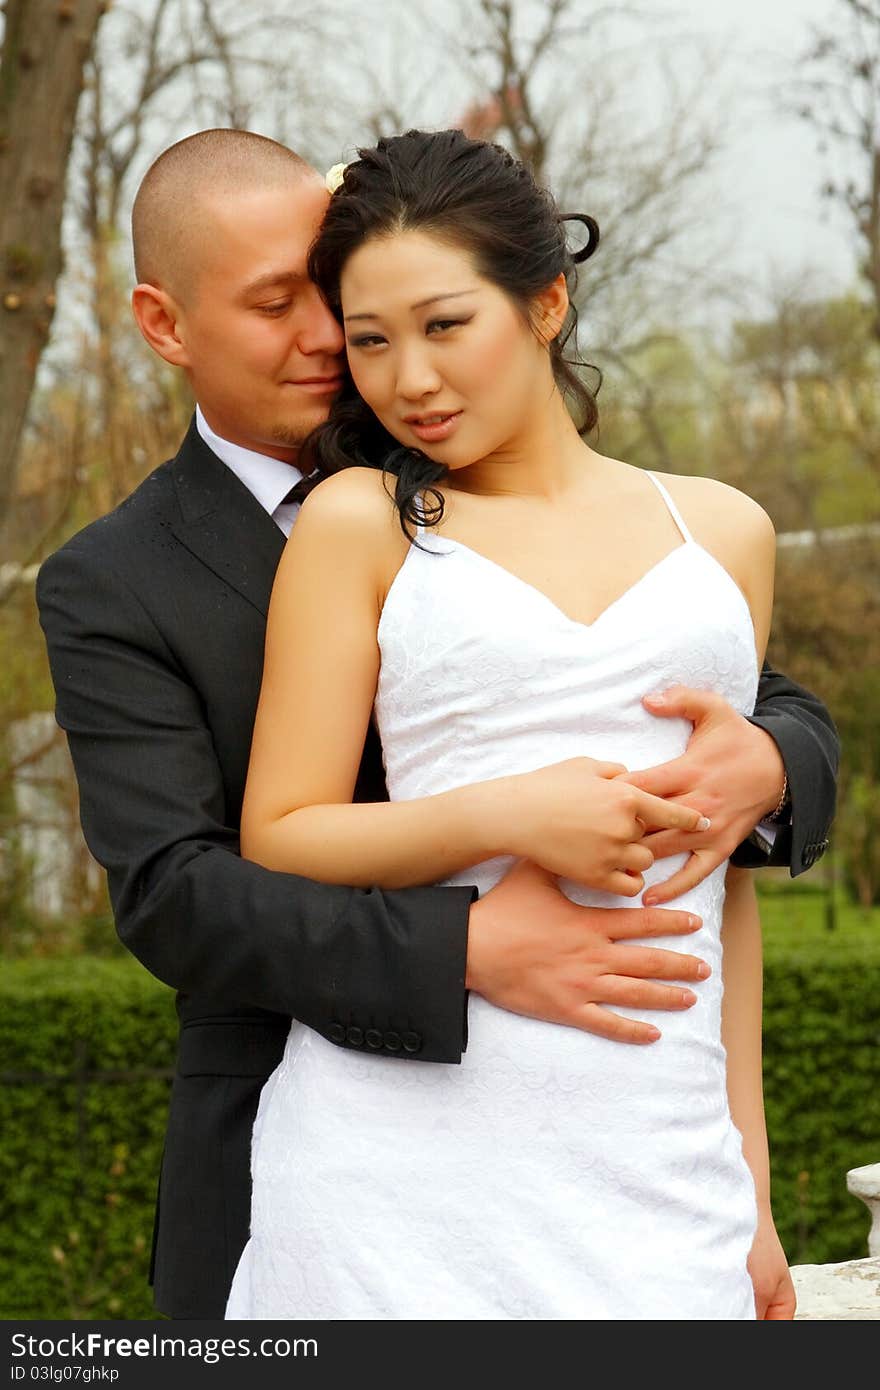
{"type": "Point", "coordinates": [301, 490]}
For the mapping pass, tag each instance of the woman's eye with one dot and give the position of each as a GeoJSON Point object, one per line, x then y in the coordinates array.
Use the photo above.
{"type": "Point", "coordinates": [441, 325]}
{"type": "Point", "coordinates": [277, 308]}
{"type": "Point", "coordinates": [366, 340]}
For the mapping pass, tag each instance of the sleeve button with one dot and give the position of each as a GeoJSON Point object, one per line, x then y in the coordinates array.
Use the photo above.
{"type": "Point", "coordinates": [373, 1038]}
{"type": "Point", "coordinates": [355, 1036]}
{"type": "Point", "coordinates": [392, 1042]}
{"type": "Point", "coordinates": [336, 1033]}
{"type": "Point", "coordinates": [412, 1042]}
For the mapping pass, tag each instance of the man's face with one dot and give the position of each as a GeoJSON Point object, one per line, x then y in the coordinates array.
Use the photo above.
{"type": "Point", "coordinates": [262, 350]}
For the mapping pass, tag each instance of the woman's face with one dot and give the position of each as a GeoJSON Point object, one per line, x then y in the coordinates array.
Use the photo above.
{"type": "Point", "coordinates": [442, 356]}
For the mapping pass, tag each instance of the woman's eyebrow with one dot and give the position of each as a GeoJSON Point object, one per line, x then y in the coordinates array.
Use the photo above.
{"type": "Point", "coordinates": [420, 304]}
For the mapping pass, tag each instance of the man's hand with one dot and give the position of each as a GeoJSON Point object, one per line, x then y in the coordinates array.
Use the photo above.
{"type": "Point", "coordinates": [732, 771]}
{"type": "Point", "coordinates": [532, 951]}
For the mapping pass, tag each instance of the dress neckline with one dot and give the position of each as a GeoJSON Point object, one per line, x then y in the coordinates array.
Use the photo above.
{"type": "Point", "coordinates": [551, 603]}
{"type": "Point", "coordinates": [430, 540]}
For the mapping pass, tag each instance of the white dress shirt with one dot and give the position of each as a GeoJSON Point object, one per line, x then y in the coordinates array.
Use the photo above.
{"type": "Point", "coordinates": [267, 479]}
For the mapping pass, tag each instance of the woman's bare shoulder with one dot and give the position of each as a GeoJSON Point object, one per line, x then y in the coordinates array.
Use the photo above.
{"type": "Point", "coordinates": [353, 496]}
{"type": "Point", "coordinates": [713, 509]}
{"type": "Point", "coordinates": [354, 508]}
{"type": "Point", "coordinates": [737, 531]}
{"type": "Point", "coordinates": [349, 522]}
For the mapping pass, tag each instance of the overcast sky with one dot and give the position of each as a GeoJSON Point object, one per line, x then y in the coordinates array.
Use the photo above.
{"type": "Point", "coordinates": [772, 163]}
{"type": "Point", "coordinates": [763, 209]}
{"type": "Point", "coordinates": [769, 173]}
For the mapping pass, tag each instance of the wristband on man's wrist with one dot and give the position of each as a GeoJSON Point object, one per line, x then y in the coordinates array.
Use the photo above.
{"type": "Point", "coordinates": [781, 804]}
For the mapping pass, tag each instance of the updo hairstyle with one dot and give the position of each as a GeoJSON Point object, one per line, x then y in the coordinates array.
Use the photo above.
{"type": "Point", "coordinates": [477, 196]}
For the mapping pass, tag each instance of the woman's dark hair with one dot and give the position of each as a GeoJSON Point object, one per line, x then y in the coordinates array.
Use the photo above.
{"type": "Point", "coordinates": [477, 196]}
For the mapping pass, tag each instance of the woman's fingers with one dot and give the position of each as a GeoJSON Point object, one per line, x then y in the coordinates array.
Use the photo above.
{"type": "Point", "coordinates": [623, 885]}
{"type": "Point", "coordinates": [657, 814]}
{"type": "Point", "coordinates": [636, 858]}
{"type": "Point", "coordinates": [600, 769]}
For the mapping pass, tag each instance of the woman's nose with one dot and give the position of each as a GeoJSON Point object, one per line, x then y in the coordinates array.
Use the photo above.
{"type": "Point", "coordinates": [416, 375]}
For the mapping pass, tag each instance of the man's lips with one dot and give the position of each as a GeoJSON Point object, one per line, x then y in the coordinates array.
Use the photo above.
{"type": "Point", "coordinates": [318, 384]}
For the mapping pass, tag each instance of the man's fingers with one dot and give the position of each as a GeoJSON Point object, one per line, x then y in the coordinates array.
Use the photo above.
{"type": "Point", "coordinates": [683, 702]}
{"type": "Point", "coordinates": [594, 1019]}
{"type": "Point", "coordinates": [669, 815]}
{"type": "Point", "coordinates": [666, 779]}
{"type": "Point", "coordinates": [628, 993]}
{"type": "Point", "coordinates": [699, 866]}
{"type": "Point", "coordinates": [649, 963]}
{"type": "Point", "coordinates": [663, 843]}
{"type": "Point", "coordinates": [621, 923]}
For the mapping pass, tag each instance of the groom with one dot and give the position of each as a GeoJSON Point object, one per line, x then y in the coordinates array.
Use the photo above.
{"type": "Point", "coordinates": [154, 618]}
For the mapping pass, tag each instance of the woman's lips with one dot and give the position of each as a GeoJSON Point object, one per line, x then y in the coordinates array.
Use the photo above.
{"type": "Point", "coordinates": [432, 429]}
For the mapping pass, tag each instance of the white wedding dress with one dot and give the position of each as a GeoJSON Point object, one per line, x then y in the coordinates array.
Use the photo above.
{"type": "Point", "coordinates": [553, 1174]}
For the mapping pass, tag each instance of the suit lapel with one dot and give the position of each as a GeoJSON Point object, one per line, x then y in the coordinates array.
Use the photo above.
{"type": "Point", "coordinates": [223, 524]}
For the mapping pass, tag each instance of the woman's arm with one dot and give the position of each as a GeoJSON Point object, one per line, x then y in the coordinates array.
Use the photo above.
{"type": "Point", "coordinates": [741, 1034]}
{"type": "Point", "coordinates": [319, 683]}
{"type": "Point", "coordinates": [752, 559]}
{"type": "Point", "coordinates": [155, 755]}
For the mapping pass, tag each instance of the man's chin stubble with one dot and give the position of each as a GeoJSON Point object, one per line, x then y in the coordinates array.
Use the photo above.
{"type": "Point", "coordinates": [292, 436]}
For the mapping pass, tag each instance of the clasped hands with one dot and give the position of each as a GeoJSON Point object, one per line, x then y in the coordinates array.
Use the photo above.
{"type": "Point", "coordinates": [532, 951]}
{"type": "Point", "coordinates": [731, 771]}
{"type": "Point", "coordinates": [605, 825]}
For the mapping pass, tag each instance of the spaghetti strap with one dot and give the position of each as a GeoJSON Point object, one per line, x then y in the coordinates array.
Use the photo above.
{"type": "Point", "coordinates": [673, 510]}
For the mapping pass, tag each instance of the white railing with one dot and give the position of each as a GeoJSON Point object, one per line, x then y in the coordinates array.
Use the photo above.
{"type": "Point", "coordinates": [849, 1291]}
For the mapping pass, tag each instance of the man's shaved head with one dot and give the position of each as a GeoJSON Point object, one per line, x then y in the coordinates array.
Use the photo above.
{"type": "Point", "coordinates": [222, 227]}
{"type": "Point", "coordinates": [171, 214]}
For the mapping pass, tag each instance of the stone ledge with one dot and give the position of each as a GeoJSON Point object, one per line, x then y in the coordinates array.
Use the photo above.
{"type": "Point", "coordinates": [837, 1293]}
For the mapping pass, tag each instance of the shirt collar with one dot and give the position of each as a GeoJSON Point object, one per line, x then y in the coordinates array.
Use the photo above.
{"type": "Point", "coordinates": [268, 479]}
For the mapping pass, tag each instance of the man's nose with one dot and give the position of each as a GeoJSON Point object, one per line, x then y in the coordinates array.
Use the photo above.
{"type": "Point", "coordinates": [320, 331]}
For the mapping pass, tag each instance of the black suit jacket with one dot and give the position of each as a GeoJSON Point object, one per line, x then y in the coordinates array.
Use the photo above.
{"type": "Point", "coordinates": [155, 620]}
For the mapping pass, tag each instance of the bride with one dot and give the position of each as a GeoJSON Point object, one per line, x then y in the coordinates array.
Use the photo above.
{"type": "Point", "coordinates": [499, 599]}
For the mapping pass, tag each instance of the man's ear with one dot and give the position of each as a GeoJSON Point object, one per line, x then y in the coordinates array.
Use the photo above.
{"type": "Point", "coordinates": [550, 309]}
{"type": "Point", "coordinates": [156, 315]}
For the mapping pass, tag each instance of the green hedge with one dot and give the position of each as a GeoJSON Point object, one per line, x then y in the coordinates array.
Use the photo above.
{"type": "Point", "coordinates": [79, 1158]}
{"type": "Point", "coordinates": [821, 1070]}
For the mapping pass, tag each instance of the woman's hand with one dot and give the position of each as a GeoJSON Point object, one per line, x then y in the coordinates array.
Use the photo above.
{"type": "Point", "coordinates": [577, 820]}
{"type": "Point", "coordinates": [775, 1298]}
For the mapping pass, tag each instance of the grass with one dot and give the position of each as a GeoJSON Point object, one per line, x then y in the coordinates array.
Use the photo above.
{"type": "Point", "coordinates": [798, 920]}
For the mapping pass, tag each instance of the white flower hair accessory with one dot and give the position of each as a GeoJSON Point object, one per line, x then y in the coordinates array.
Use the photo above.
{"type": "Point", "coordinates": [333, 177]}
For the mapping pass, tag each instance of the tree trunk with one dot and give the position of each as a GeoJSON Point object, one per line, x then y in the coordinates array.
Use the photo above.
{"type": "Point", "coordinates": [45, 47]}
